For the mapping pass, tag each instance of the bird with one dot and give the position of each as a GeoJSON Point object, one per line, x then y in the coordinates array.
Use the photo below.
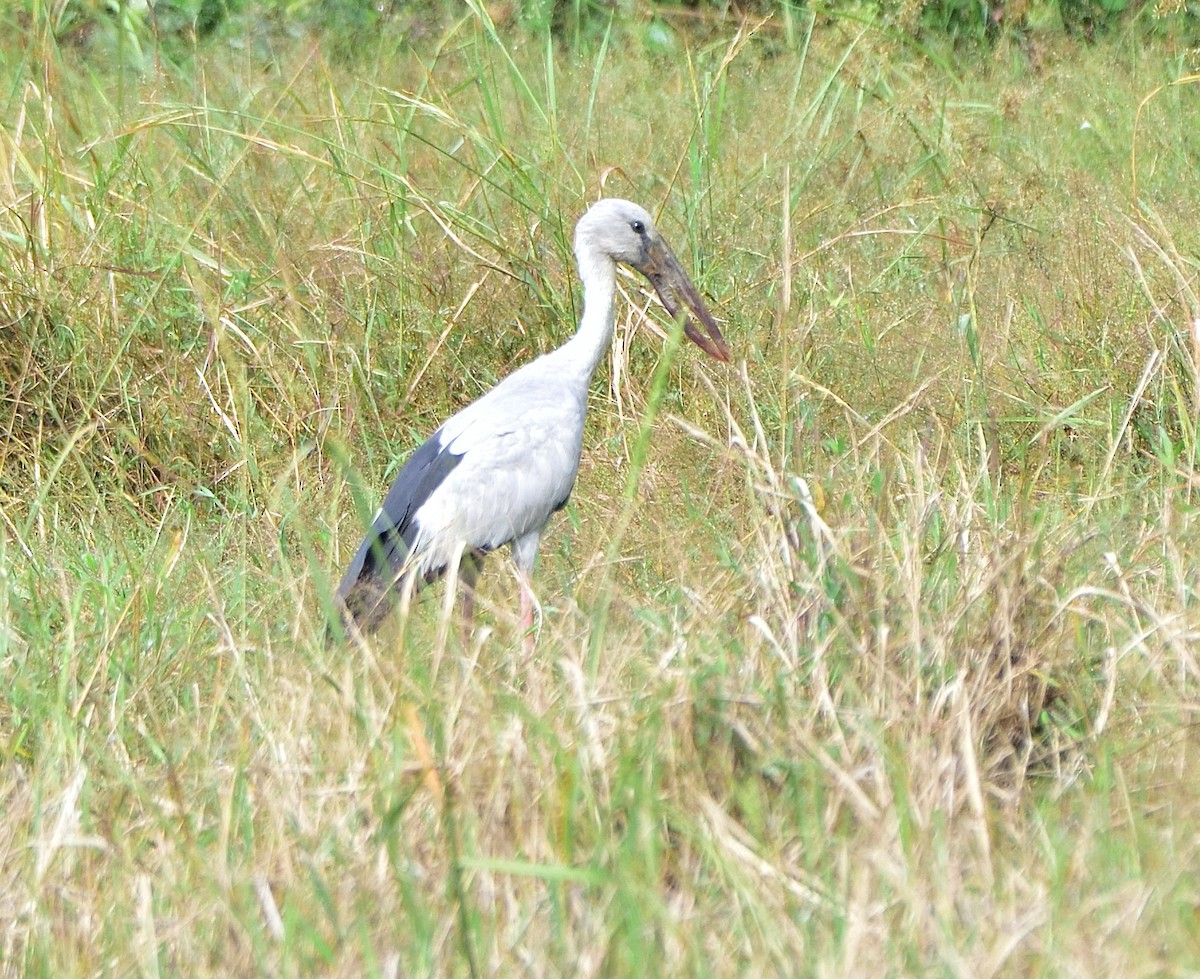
{"type": "Point", "coordinates": [497, 470]}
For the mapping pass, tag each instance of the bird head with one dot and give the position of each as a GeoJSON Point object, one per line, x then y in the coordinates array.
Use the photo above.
{"type": "Point", "coordinates": [625, 233]}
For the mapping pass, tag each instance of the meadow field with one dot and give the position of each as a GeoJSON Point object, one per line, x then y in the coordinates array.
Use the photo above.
{"type": "Point", "coordinates": [873, 653]}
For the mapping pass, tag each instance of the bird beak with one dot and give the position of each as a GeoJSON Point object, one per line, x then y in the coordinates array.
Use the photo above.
{"type": "Point", "coordinates": [671, 283]}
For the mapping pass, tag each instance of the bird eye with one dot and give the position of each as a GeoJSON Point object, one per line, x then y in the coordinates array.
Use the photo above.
{"type": "Point", "coordinates": [638, 227]}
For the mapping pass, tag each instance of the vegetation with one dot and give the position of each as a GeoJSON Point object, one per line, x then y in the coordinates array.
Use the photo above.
{"type": "Point", "coordinates": [127, 27]}
{"type": "Point", "coordinates": [874, 654]}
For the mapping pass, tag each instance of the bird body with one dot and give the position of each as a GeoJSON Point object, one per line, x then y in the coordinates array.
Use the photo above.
{"type": "Point", "coordinates": [495, 471]}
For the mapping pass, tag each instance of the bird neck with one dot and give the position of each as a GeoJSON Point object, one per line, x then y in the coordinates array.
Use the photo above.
{"type": "Point", "coordinates": [598, 273]}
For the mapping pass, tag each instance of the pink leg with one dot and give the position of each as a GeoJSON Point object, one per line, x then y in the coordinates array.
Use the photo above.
{"type": "Point", "coordinates": [527, 632]}
{"type": "Point", "coordinates": [468, 573]}
{"type": "Point", "coordinates": [524, 555]}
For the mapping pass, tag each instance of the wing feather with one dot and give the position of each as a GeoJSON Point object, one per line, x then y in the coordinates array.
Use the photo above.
{"type": "Point", "coordinates": [369, 581]}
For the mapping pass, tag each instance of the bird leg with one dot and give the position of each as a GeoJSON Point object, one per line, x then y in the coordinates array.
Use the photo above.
{"type": "Point", "coordinates": [468, 574]}
{"type": "Point", "coordinates": [524, 551]}
{"type": "Point", "coordinates": [452, 570]}
{"type": "Point", "coordinates": [528, 603]}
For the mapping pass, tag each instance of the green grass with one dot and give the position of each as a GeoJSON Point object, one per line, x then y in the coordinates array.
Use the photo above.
{"type": "Point", "coordinates": [877, 657]}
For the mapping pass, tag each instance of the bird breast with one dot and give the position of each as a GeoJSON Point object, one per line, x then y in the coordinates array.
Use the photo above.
{"type": "Point", "coordinates": [519, 448]}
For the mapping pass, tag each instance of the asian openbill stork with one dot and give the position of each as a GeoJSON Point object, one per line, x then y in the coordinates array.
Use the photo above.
{"type": "Point", "coordinates": [495, 471]}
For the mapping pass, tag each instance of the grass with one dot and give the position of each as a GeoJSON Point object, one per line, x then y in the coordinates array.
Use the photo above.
{"type": "Point", "coordinates": [876, 657]}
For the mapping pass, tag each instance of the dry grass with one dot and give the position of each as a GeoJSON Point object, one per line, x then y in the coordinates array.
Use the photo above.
{"type": "Point", "coordinates": [891, 669]}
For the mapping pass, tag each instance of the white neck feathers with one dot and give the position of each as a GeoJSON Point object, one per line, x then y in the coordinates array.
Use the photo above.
{"type": "Point", "coordinates": [598, 272]}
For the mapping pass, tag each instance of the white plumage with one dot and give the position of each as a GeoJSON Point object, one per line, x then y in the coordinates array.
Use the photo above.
{"type": "Point", "coordinates": [494, 472]}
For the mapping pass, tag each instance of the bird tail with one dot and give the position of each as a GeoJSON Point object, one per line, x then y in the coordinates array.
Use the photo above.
{"type": "Point", "coordinates": [372, 584]}
{"type": "Point", "coordinates": [365, 605]}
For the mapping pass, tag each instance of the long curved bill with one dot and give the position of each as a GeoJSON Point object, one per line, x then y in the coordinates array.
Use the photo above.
{"type": "Point", "coordinates": [673, 286]}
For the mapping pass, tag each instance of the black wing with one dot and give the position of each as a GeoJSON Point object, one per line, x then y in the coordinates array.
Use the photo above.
{"type": "Point", "coordinates": [368, 588]}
